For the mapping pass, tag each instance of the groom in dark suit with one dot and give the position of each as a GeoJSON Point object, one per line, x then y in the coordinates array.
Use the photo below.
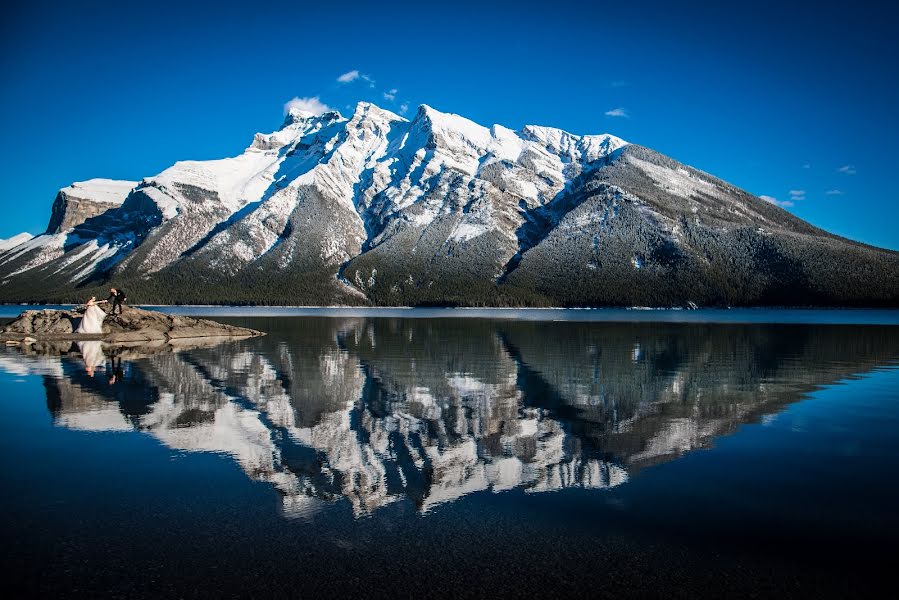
{"type": "Point", "coordinates": [117, 299]}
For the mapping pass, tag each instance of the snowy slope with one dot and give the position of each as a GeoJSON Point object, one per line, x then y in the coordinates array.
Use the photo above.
{"type": "Point", "coordinates": [14, 241]}
{"type": "Point", "coordinates": [376, 166]}
{"type": "Point", "coordinates": [107, 191]}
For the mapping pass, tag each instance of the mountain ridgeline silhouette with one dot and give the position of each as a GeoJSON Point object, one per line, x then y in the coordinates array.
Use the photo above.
{"type": "Point", "coordinates": [377, 209]}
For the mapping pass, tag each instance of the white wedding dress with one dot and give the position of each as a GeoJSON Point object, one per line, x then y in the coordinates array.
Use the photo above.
{"type": "Point", "coordinates": [93, 355]}
{"type": "Point", "coordinates": [92, 321]}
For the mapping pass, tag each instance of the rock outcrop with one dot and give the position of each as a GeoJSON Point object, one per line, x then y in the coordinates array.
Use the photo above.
{"type": "Point", "coordinates": [133, 326]}
{"type": "Point", "coordinates": [84, 200]}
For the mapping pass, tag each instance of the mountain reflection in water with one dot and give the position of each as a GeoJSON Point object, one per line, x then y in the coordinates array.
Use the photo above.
{"type": "Point", "coordinates": [377, 410]}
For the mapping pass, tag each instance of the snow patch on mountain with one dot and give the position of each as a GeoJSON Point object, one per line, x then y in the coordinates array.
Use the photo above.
{"type": "Point", "coordinates": [108, 191]}
{"type": "Point", "coordinates": [40, 250]}
{"type": "Point", "coordinates": [167, 205]}
{"type": "Point", "coordinates": [12, 242]}
{"type": "Point", "coordinates": [679, 182]}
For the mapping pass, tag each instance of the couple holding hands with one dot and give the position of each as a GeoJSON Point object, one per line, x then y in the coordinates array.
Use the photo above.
{"type": "Point", "coordinates": [92, 322]}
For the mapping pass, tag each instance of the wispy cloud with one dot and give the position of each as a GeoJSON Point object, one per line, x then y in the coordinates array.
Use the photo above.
{"type": "Point", "coordinates": [618, 83]}
{"type": "Point", "coordinates": [806, 165]}
{"type": "Point", "coordinates": [312, 105]}
{"type": "Point", "coordinates": [776, 202]}
{"type": "Point", "coordinates": [349, 76]}
{"type": "Point", "coordinates": [389, 95]}
{"type": "Point", "coordinates": [847, 170]}
{"type": "Point", "coordinates": [797, 194]}
{"type": "Point", "coordinates": [404, 108]}
{"type": "Point", "coordinates": [617, 112]}
{"type": "Point", "coordinates": [834, 193]}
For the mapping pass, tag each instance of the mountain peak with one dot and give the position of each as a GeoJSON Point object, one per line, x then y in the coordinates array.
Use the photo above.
{"type": "Point", "coordinates": [297, 116]}
{"type": "Point", "coordinates": [368, 109]}
{"type": "Point", "coordinates": [379, 209]}
{"type": "Point", "coordinates": [453, 125]}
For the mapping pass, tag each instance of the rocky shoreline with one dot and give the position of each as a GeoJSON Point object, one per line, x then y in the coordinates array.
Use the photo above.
{"type": "Point", "coordinates": [133, 326]}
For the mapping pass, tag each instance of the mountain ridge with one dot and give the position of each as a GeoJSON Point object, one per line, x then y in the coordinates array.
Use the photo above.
{"type": "Point", "coordinates": [379, 209]}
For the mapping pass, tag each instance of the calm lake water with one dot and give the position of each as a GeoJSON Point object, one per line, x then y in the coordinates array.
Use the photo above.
{"type": "Point", "coordinates": [416, 455]}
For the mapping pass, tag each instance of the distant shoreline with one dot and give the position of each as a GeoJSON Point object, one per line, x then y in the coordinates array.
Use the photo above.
{"type": "Point", "coordinates": [754, 315]}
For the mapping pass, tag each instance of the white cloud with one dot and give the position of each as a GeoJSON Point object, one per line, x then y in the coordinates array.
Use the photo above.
{"type": "Point", "coordinates": [313, 105]}
{"type": "Point", "coordinates": [404, 108]}
{"type": "Point", "coordinates": [833, 193]}
{"type": "Point", "coordinates": [847, 169]}
{"type": "Point", "coordinates": [391, 95]}
{"type": "Point", "coordinates": [776, 202]}
{"type": "Point", "coordinates": [349, 76]}
{"type": "Point", "coordinates": [797, 194]}
{"type": "Point", "coordinates": [617, 112]}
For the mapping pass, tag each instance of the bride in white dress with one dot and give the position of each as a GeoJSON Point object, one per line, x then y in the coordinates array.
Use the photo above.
{"type": "Point", "coordinates": [93, 355]}
{"type": "Point", "coordinates": [92, 321]}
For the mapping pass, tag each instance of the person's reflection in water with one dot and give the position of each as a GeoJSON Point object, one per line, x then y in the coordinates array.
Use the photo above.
{"type": "Point", "coordinates": [92, 353]}
{"type": "Point", "coordinates": [115, 370]}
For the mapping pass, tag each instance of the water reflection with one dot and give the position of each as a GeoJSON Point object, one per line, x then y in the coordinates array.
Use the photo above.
{"type": "Point", "coordinates": [378, 410]}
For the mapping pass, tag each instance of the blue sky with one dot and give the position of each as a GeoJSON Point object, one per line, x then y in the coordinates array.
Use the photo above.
{"type": "Point", "coordinates": [797, 103]}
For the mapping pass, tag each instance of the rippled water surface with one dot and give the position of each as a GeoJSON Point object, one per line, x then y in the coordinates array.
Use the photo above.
{"type": "Point", "coordinates": [436, 456]}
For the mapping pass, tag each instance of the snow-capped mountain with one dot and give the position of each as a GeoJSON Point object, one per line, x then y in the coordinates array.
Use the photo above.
{"type": "Point", "coordinates": [377, 208]}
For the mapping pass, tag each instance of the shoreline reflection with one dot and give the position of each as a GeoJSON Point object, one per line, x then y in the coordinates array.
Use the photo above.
{"type": "Point", "coordinates": [379, 410]}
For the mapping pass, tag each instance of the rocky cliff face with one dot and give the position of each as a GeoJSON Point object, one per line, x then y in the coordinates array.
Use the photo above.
{"type": "Point", "coordinates": [84, 200]}
{"type": "Point", "coordinates": [379, 209]}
